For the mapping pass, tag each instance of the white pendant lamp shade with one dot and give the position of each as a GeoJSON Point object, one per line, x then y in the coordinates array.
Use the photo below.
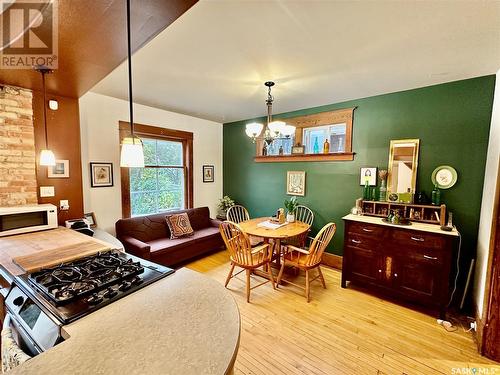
{"type": "Point", "coordinates": [132, 154]}
{"type": "Point", "coordinates": [276, 127]}
{"type": "Point", "coordinates": [253, 129]}
{"type": "Point", "coordinates": [47, 158]}
{"type": "Point", "coordinates": [288, 130]}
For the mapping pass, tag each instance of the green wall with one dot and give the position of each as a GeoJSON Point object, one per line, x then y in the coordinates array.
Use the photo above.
{"type": "Point", "coordinates": [451, 120]}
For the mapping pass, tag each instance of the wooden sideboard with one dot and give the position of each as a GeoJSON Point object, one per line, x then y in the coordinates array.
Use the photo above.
{"type": "Point", "coordinates": [412, 263]}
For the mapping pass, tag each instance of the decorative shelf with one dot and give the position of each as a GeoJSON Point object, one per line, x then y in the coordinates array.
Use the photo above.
{"type": "Point", "coordinates": [340, 156]}
{"type": "Point", "coordinates": [414, 212]}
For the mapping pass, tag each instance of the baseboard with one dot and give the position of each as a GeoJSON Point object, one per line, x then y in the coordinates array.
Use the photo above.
{"type": "Point", "coordinates": [332, 260]}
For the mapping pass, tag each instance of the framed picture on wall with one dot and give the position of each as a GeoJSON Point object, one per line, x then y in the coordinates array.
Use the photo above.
{"type": "Point", "coordinates": [368, 174]}
{"type": "Point", "coordinates": [90, 218]}
{"type": "Point", "coordinates": [296, 183]}
{"type": "Point", "coordinates": [60, 170]}
{"type": "Point", "coordinates": [208, 173]}
{"type": "Point", "coordinates": [101, 174]}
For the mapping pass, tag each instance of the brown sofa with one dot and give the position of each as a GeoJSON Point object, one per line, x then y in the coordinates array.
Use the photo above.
{"type": "Point", "coordinates": [148, 237]}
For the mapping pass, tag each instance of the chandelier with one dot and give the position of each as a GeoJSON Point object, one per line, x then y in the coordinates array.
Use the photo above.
{"type": "Point", "coordinates": [273, 129]}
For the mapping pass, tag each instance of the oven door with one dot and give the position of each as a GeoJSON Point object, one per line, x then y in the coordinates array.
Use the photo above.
{"type": "Point", "coordinates": [17, 347]}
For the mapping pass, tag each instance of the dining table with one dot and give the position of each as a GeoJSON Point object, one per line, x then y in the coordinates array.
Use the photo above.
{"type": "Point", "coordinates": [253, 227]}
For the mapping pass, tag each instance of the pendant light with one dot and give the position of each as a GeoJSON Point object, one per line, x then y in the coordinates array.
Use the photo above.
{"type": "Point", "coordinates": [132, 154]}
{"type": "Point", "coordinates": [47, 157]}
{"type": "Point", "coordinates": [272, 129]}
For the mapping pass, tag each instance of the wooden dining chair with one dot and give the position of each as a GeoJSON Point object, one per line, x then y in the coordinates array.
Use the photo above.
{"type": "Point", "coordinates": [307, 260]}
{"type": "Point", "coordinates": [237, 214]}
{"type": "Point", "coordinates": [243, 255]}
{"type": "Point", "coordinates": [305, 215]}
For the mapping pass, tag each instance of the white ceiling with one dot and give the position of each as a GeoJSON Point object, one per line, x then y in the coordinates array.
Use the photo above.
{"type": "Point", "coordinates": [212, 62]}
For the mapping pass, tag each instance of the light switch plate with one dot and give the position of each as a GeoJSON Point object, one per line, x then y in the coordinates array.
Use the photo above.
{"type": "Point", "coordinates": [64, 204]}
{"type": "Point", "coordinates": [47, 191]}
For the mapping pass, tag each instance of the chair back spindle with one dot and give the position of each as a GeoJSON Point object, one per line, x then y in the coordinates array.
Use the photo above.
{"type": "Point", "coordinates": [238, 245]}
{"type": "Point", "coordinates": [237, 214]}
{"type": "Point", "coordinates": [304, 214]}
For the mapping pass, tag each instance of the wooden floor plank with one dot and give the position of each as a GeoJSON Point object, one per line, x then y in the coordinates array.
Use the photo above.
{"type": "Point", "coordinates": [341, 331]}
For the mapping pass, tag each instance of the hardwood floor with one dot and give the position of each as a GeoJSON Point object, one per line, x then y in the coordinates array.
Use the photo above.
{"type": "Point", "coordinates": [341, 331]}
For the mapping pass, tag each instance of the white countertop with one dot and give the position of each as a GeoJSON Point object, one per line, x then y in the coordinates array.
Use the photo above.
{"type": "Point", "coordinates": [185, 323]}
{"type": "Point", "coordinates": [424, 227]}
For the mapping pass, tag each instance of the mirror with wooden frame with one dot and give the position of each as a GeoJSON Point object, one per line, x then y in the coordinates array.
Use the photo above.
{"type": "Point", "coordinates": [403, 162]}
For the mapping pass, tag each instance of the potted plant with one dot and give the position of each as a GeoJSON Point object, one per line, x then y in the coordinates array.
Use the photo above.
{"type": "Point", "coordinates": [291, 206]}
{"type": "Point", "coordinates": [224, 204]}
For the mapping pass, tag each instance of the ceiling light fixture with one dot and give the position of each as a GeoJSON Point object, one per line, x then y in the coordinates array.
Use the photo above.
{"type": "Point", "coordinates": [47, 157]}
{"type": "Point", "coordinates": [132, 154]}
{"type": "Point", "coordinates": [273, 129]}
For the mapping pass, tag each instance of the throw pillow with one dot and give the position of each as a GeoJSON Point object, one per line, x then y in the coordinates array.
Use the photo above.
{"type": "Point", "coordinates": [179, 225]}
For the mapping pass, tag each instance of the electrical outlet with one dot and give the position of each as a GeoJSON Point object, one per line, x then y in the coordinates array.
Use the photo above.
{"type": "Point", "coordinates": [473, 325]}
{"type": "Point", "coordinates": [64, 205]}
{"type": "Point", "coordinates": [47, 191]}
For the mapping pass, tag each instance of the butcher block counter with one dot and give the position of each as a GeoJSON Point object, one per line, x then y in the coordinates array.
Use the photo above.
{"type": "Point", "coordinates": [33, 250]}
{"type": "Point", "coordinates": [185, 323]}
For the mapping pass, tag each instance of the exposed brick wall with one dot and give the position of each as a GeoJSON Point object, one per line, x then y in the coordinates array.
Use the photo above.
{"type": "Point", "coordinates": [18, 184]}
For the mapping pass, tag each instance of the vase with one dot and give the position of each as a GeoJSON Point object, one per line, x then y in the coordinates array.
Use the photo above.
{"type": "Point", "coordinates": [382, 194]}
{"type": "Point", "coordinates": [290, 217]}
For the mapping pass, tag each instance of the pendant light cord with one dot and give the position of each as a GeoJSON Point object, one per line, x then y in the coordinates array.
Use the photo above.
{"type": "Point", "coordinates": [45, 110]}
{"type": "Point", "coordinates": [129, 48]}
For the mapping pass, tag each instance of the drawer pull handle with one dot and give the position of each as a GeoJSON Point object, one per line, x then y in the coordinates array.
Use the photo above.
{"type": "Point", "coordinates": [356, 241]}
{"type": "Point", "coordinates": [428, 257]}
{"type": "Point", "coordinates": [367, 230]}
{"type": "Point", "coordinates": [419, 239]}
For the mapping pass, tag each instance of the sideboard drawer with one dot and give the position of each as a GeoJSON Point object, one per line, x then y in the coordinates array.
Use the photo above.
{"type": "Point", "coordinates": [361, 241]}
{"type": "Point", "coordinates": [367, 229]}
{"type": "Point", "coordinates": [407, 237]}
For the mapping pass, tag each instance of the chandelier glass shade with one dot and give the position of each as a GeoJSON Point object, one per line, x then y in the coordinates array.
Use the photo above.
{"type": "Point", "coordinates": [273, 129]}
{"type": "Point", "coordinates": [47, 158]}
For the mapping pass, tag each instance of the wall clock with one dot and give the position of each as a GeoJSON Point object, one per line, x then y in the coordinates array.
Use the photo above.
{"type": "Point", "coordinates": [444, 177]}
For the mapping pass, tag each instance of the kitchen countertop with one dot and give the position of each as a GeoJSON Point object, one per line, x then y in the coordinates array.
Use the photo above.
{"type": "Point", "coordinates": [185, 323]}
{"type": "Point", "coordinates": [424, 227]}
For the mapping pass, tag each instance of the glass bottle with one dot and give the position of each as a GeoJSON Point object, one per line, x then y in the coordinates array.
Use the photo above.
{"type": "Point", "coordinates": [382, 194]}
{"type": "Point", "coordinates": [280, 151]}
{"type": "Point", "coordinates": [436, 196]}
{"type": "Point", "coordinates": [366, 191]}
{"type": "Point", "coordinates": [264, 149]}
{"type": "Point", "coordinates": [326, 147]}
{"type": "Point", "coordinates": [316, 146]}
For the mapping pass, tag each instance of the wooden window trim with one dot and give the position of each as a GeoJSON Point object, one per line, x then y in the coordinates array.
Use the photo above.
{"type": "Point", "coordinates": [156, 132]}
{"type": "Point", "coordinates": [345, 115]}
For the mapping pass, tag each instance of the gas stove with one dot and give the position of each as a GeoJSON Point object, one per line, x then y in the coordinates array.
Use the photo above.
{"type": "Point", "coordinates": [72, 290]}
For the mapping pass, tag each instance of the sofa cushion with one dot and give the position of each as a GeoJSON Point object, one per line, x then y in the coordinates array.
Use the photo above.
{"type": "Point", "coordinates": [179, 225]}
{"type": "Point", "coordinates": [167, 244]}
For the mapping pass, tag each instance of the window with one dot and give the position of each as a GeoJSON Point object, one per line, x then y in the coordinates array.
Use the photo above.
{"type": "Point", "coordinates": [315, 137]}
{"type": "Point", "coordinates": [311, 131]}
{"type": "Point", "coordinates": [165, 182]}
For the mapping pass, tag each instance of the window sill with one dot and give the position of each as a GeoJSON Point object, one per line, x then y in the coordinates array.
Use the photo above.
{"type": "Point", "coordinates": [344, 156]}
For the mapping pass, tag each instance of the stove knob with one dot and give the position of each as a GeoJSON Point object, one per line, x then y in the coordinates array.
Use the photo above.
{"type": "Point", "coordinates": [94, 299]}
{"type": "Point", "coordinates": [110, 292]}
{"type": "Point", "coordinates": [18, 301]}
{"type": "Point", "coordinates": [136, 280]}
{"type": "Point", "coordinates": [125, 286]}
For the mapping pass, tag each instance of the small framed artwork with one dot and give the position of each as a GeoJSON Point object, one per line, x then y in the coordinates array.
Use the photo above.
{"type": "Point", "coordinates": [90, 218]}
{"type": "Point", "coordinates": [101, 174]}
{"type": "Point", "coordinates": [208, 173]}
{"type": "Point", "coordinates": [60, 170]}
{"type": "Point", "coordinates": [368, 174]}
{"type": "Point", "coordinates": [298, 149]}
{"type": "Point", "coordinates": [296, 183]}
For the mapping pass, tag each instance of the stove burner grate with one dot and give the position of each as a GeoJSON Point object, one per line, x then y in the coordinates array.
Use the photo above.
{"type": "Point", "coordinates": [70, 281]}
